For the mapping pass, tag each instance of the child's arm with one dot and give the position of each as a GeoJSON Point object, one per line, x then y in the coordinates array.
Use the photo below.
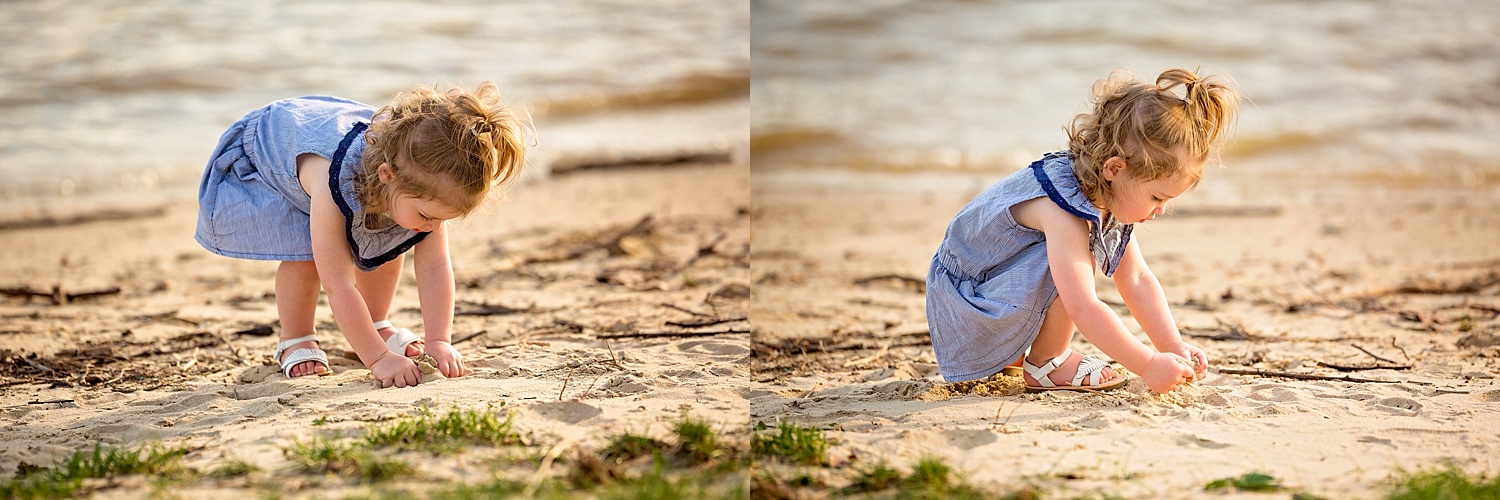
{"type": "Point", "coordinates": [1148, 303]}
{"type": "Point", "coordinates": [335, 264]}
{"type": "Point", "coordinates": [435, 293]}
{"type": "Point", "coordinates": [1072, 267]}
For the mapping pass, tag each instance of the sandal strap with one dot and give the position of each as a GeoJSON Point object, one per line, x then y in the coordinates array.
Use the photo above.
{"type": "Point", "coordinates": [301, 355]}
{"type": "Point", "coordinates": [1093, 368]}
{"type": "Point", "coordinates": [398, 342]}
{"type": "Point", "coordinates": [384, 323]}
{"type": "Point", "coordinates": [1040, 372]}
{"type": "Point", "coordinates": [285, 344]}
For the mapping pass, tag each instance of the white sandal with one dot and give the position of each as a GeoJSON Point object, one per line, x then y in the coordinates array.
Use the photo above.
{"type": "Point", "coordinates": [1090, 367]}
{"type": "Point", "coordinates": [300, 355]}
{"type": "Point", "coordinates": [398, 341]}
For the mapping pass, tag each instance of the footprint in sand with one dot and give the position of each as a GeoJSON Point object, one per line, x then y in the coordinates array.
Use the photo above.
{"type": "Point", "coordinates": [256, 391]}
{"type": "Point", "coordinates": [715, 348]}
{"type": "Point", "coordinates": [569, 412]}
{"type": "Point", "coordinates": [965, 439]}
{"type": "Point", "coordinates": [900, 390]}
{"type": "Point", "coordinates": [1397, 406]}
{"type": "Point", "coordinates": [1273, 393]}
{"type": "Point", "coordinates": [1201, 442]}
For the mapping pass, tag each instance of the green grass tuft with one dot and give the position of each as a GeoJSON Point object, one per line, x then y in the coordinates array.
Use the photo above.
{"type": "Point", "coordinates": [802, 445]}
{"type": "Point", "coordinates": [627, 446]}
{"type": "Point", "coordinates": [498, 488]}
{"type": "Point", "coordinates": [654, 484]}
{"type": "Point", "coordinates": [323, 455]}
{"type": "Point", "coordinates": [696, 439]}
{"type": "Point", "coordinates": [1447, 483]}
{"type": "Point", "coordinates": [929, 473]}
{"type": "Point", "coordinates": [878, 477]}
{"type": "Point", "coordinates": [929, 478]}
{"type": "Point", "coordinates": [232, 469]}
{"type": "Point", "coordinates": [1250, 481]}
{"type": "Point", "coordinates": [66, 477]}
{"type": "Point", "coordinates": [447, 434]}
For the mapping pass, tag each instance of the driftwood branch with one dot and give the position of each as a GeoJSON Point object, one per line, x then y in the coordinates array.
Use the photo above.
{"type": "Point", "coordinates": [469, 337]}
{"type": "Point", "coordinates": [1363, 350]}
{"type": "Point", "coordinates": [686, 310]}
{"type": "Point", "coordinates": [612, 245]}
{"type": "Point", "coordinates": [1353, 368]}
{"type": "Point", "coordinates": [649, 335]}
{"type": "Point", "coordinates": [99, 216]}
{"type": "Point", "coordinates": [57, 296]}
{"type": "Point", "coordinates": [702, 322]}
{"type": "Point", "coordinates": [574, 165]}
{"type": "Point", "coordinates": [493, 310]}
{"type": "Point", "coordinates": [1302, 376]}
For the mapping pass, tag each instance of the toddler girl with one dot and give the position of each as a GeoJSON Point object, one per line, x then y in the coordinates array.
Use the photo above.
{"type": "Point", "coordinates": [1015, 272]}
{"type": "Point", "coordinates": [339, 192]}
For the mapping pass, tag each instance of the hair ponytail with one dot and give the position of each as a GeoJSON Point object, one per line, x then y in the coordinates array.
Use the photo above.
{"type": "Point", "coordinates": [1150, 126]}
{"type": "Point", "coordinates": [1210, 105]}
{"type": "Point", "coordinates": [452, 146]}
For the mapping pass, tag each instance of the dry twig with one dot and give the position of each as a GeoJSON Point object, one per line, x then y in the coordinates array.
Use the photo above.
{"type": "Point", "coordinates": [1363, 350]}
{"type": "Point", "coordinates": [1302, 376]}
{"type": "Point", "coordinates": [649, 335]}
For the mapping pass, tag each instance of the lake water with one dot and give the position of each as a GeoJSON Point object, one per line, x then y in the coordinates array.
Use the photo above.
{"type": "Point", "coordinates": [128, 97]}
{"type": "Point", "coordinates": [1398, 89]}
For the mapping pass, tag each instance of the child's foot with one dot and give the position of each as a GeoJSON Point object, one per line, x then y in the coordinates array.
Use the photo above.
{"type": "Point", "coordinates": [413, 348]}
{"type": "Point", "coordinates": [1065, 375]}
{"type": "Point", "coordinates": [313, 365]}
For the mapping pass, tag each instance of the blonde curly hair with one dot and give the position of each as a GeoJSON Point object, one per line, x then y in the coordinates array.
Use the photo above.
{"type": "Point", "coordinates": [452, 146]}
{"type": "Point", "coordinates": [1149, 126]}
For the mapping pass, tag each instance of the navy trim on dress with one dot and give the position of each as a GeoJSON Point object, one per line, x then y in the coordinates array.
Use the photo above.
{"type": "Point", "coordinates": [1120, 254]}
{"type": "Point", "coordinates": [334, 190]}
{"type": "Point", "coordinates": [1052, 193]}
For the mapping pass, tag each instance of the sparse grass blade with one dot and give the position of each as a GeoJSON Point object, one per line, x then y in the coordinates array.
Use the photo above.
{"type": "Point", "coordinates": [628, 446]}
{"type": "Point", "coordinates": [66, 478]}
{"type": "Point", "coordinates": [1446, 483]}
{"type": "Point", "coordinates": [446, 434]}
{"type": "Point", "coordinates": [324, 455]}
{"type": "Point", "coordinates": [875, 478]}
{"type": "Point", "coordinates": [1250, 481]}
{"type": "Point", "coordinates": [695, 439]}
{"type": "Point", "coordinates": [798, 444]}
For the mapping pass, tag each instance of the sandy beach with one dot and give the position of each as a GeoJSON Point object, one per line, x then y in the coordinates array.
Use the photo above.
{"type": "Point", "coordinates": [589, 304]}
{"type": "Point", "coordinates": [1358, 275]}
{"type": "Point", "coordinates": [696, 293]}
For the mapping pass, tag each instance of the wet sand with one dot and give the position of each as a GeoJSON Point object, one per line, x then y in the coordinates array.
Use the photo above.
{"type": "Point", "coordinates": [1268, 275]}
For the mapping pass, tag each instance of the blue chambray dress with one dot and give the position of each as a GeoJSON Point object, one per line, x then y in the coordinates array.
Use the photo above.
{"type": "Point", "coordinates": [251, 205]}
{"type": "Point", "coordinates": [990, 285]}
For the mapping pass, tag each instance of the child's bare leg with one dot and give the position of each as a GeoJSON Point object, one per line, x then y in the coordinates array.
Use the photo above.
{"type": "Point", "coordinates": [1057, 332]}
{"type": "Point", "coordinates": [378, 287]}
{"type": "Point", "coordinates": [297, 289]}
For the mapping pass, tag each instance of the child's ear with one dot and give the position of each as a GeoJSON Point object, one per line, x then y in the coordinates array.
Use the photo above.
{"type": "Point", "coordinates": [386, 173]}
{"type": "Point", "coordinates": [1113, 167]}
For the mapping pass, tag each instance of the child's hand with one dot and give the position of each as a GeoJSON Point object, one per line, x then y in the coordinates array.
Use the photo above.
{"type": "Point", "coordinates": [449, 361]}
{"type": "Point", "coordinates": [1166, 371]}
{"type": "Point", "coordinates": [394, 369]}
{"type": "Point", "coordinates": [1195, 356]}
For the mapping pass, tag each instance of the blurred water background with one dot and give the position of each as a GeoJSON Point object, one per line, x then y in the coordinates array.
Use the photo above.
{"type": "Point", "coordinates": [1396, 91]}
{"type": "Point", "coordinates": [126, 99]}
